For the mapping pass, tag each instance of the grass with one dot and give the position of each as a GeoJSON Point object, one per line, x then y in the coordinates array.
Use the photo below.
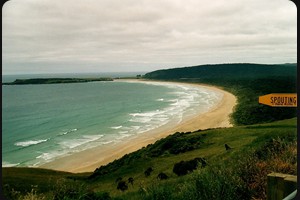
{"type": "Point", "coordinates": [249, 145]}
{"type": "Point", "coordinates": [262, 142]}
{"type": "Point", "coordinates": [247, 82]}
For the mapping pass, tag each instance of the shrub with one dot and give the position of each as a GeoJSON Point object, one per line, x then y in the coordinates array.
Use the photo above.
{"type": "Point", "coordinates": [162, 176]}
{"type": "Point", "coordinates": [130, 180]}
{"type": "Point", "coordinates": [184, 167]}
{"type": "Point", "coordinates": [122, 185]}
{"type": "Point", "coordinates": [148, 171]}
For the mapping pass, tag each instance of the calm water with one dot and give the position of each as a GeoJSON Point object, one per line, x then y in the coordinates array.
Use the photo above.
{"type": "Point", "coordinates": [43, 122]}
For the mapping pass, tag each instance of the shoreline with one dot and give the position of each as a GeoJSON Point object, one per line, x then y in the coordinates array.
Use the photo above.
{"type": "Point", "coordinates": [90, 159]}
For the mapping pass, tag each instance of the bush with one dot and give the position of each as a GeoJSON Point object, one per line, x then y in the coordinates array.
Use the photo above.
{"type": "Point", "coordinates": [148, 171]}
{"type": "Point", "coordinates": [122, 185]}
{"type": "Point", "coordinates": [184, 167]}
{"type": "Point", "coordinates": [162, 176]}
{"type": "Point", "coordinates": [242, 176]}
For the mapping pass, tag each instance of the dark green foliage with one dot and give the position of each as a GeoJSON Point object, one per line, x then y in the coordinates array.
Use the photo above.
{"type": "Point", "coordinates": [148, 171]}
{"type": "Point", "coordinates": [184, 167]}
{"type": "Point", "coordinates": [130, 180]}
{"type": "Point", "coordinates": [115, 165]}
{"type": "Point", "coordinates": [9, 192]}
{"type": "Point", "coordinates": [247, 82]}
{"type": "Point", "coordinates": [55, 80]}
{"type": "Point", "coordinates": [274, 155]}
{"type": "Point", "coordinates": [224, 71]}
{"type": "Point", "coordinates": [66, 190]}
{"type": "Point", "coordinates": [122, 185]}
{"type": "Point", "coordinates": [173, 144]}
{"type": "Point", "coordinates": [118, 179]}
{"type": "Point", "coordinates": [97, 196]}
{"type": "Point", "coordinates": [227, 147]}
{"type": "Point", "coordinates": [242, 176]}
{"type": "Point", "coordinates": [249, 111]}
{"type": "Point", "coordinates": [176, 144]}
{"type": "Point", "coordinates": [159, 192]}
{"type": "Point", "coordinates": [217, 183]}
{"type": "Point", "coordinates": [273, 146]}
{"type": "Point", "coordinates": [16, 177]}
{"type": "Point", "coordinates": [162, 176]}
{"type": "Point", "coordinates": [239, 174]}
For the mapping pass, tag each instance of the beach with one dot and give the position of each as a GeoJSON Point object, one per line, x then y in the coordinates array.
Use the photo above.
{"type": "Point", "coordinates": [90, 159]}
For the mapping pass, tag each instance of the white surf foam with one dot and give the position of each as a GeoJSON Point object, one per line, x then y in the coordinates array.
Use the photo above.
{"type": "Point", "coordinates": [7, 164]}
{"type": "Point", "coordinates": [73, 143]}
{"type": "Point", "coordinates": [122, 136]}
{"type": "Point", "coordinates": [69, 131]}
{"type": "Point", "coordinates": [185, 101]}
{"type": "Point", "coordinates": [116, 127]}
{"type": "Point", "coordinates": [49, 156]}
{"type": "Point", "coordinates": [30, 142]}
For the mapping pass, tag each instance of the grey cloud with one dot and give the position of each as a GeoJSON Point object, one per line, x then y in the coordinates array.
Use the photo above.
{"type": "Point", "coordinates": [110, 35]}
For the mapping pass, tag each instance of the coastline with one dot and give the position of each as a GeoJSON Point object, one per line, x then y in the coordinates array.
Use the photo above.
{"type": "Point", "coordinates": [89, 160]}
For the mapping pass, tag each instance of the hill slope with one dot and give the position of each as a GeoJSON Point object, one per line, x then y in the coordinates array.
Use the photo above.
{"type": "Point", "coordinates": [247, 82]}
{"type": "Point", "coordinates": [238, 173]}
{"type": "Point", "coordinates": [256, 151]}
{"type": "Point", "coordinates": [225, 71]}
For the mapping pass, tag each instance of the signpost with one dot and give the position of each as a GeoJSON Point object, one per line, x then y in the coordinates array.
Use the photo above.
{"type": "Point", "coordinates": [279, 99]}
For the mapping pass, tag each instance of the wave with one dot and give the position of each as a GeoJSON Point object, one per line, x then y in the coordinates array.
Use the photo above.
{"type": "Point", "coordinates": [70, 131]}
{"type": "Point", "coordinates": [169, 107]}
{"type": "Point", "coordinates": [116, 127]}
{"type": "Point", "coordinates": [67, 147]}
{"type": "Point", "coordinates": [153, 117]}
{"type": "Point", "coordinates": [107, 142]}
{"type": "Point", "coordinates": [123, 132]}
{"type": "Point", "coordinates": [7, 164]}
{"type": "Point", "coordinates": [49, 156]}
{"type": "Point", "coordinates": [30, 142]}
{"type": "Point", "coordinates": [123, 136]}
{"type": "Point", "coordinates": [183, 102]}
{"type": "Point", "coordinates": [72, 143]}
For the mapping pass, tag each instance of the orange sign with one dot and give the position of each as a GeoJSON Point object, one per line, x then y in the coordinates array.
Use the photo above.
{"type": "Point", "coordinates": [279, 100]}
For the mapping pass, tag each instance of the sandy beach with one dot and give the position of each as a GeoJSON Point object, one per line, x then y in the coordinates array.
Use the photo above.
{"type": "Point", "coordinates": [89, 160]}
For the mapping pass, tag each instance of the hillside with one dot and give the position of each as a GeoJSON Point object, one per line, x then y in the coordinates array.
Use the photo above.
{"type": "Point", "coordinates": [256, 150]}
{"type": "Point", "coordinates": [246, 81]}
{"type": "Point", "coordinates": [222, 163]}
{"type": "Point", "coordinates": [54, 80]}
{"type": "Point", "coordinates": [225, 71]}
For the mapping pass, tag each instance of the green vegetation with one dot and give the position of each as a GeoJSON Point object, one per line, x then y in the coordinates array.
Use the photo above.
{"type": "Point", "coordinates": [247, 82]}
{"type": "Point", "coordinates": [55, 80]}
{"type": "Point", "coordinates": [238, 173]}
{"type": "Point", "coordinates": [248, 110]}
{"type": "Point", "coordinates": [225, 72]}
{"type": "Point", "coordinates": [191, 165]}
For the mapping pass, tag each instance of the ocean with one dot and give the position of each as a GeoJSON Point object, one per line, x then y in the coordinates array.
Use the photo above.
{"type": "Point", "coordinates": [43, 122]}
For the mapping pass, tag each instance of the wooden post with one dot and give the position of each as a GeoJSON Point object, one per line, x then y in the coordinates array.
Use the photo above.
{"type": "Point", "coordinates": [280, 185]}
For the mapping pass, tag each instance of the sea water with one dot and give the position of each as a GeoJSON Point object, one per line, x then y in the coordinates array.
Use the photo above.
{"type": "Point", "coordinates": [43, 122]}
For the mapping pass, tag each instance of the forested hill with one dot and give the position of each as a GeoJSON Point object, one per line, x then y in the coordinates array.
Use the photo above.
{"type": "Point", "coordinates": [224, 71]}
{"type": "Point", "coordinates": [55, 80]}
{"type": "Point", "coordinates": [247, 82]}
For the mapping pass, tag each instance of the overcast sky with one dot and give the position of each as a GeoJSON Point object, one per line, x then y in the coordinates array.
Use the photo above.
{"type": "Point", "coordinates": [58, 36]}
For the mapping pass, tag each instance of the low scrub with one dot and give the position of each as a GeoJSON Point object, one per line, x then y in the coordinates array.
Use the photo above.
{"type": "Point", "coordinates": [242, 176]}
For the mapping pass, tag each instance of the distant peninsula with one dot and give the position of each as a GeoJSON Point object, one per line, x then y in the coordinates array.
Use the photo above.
{"type": "Point", "coordinates": [54, 80]}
